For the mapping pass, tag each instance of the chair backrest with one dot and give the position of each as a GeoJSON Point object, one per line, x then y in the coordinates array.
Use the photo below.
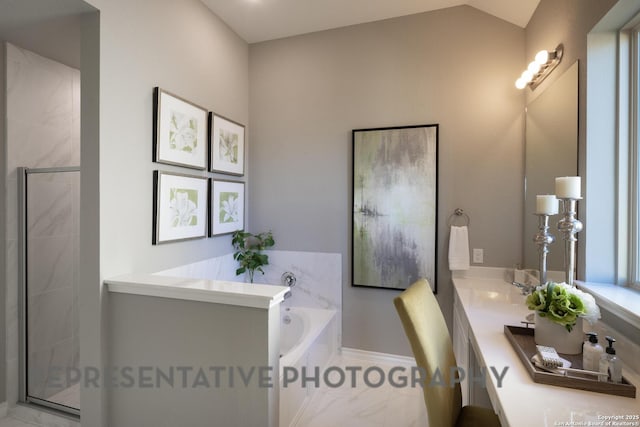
{"type": "Point", "coordinates": [428, 335]}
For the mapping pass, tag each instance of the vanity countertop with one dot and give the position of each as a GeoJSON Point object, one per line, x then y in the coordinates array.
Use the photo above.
{"type": "Point", "coordinates": [212, 291]}
{"type": "Point", "coordinates": [489, 303]}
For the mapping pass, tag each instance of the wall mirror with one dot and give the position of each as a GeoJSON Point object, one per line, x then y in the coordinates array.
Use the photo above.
{"type": "Point", "coordinates": [551, 150]}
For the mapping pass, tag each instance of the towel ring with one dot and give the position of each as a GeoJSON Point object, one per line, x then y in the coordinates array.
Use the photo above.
{"type": "Point", "coordinates": [456, 215]}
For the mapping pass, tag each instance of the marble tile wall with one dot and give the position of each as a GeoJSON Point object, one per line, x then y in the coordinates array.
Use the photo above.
{"type": "Point", "coordinates": [318, 274]}
{"type": "Point", "coordinates": [318, 280]}
{"type": "Point", "coordinates": [43, 130]}
{"type": "Point", "coordinates": [218, 268]}
{"type": "Point", "coordinates": [53, 231]}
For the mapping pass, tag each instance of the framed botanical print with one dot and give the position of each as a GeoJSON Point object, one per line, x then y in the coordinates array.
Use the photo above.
{"type": "Point", "coordinates": [394, 209]}
{"type": "Point", "coordinates": [179, 207]}
{"type": "Point", "coordinates": [179, 131]}
{"type": "Point", "coordinates": [227, 207]}
{"type": "Point", "coordinates": [227, 146]}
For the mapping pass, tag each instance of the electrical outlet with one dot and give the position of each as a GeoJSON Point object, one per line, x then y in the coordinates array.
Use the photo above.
{"type": "Point", "coordinates": [478, 256]}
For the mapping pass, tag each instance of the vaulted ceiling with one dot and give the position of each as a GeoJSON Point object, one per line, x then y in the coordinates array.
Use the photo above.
{"type": "Point", "coordinates": [260, 20]}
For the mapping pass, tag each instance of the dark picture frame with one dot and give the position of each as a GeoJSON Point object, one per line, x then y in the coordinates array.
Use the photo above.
{"type": "Point", "coordinates": [394, 206]}
{"type": "Point", "coordinates": [227, 206]}
{"type": "Point", "coordinates": [180, 131]}
{"type": "Point", "coordinates": [180, 207]}
{"type": "Point", "coordinates": [226, 145]}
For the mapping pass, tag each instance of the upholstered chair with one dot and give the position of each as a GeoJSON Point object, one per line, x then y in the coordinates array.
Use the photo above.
{"type": "Point", "coordinates": [428, 335]}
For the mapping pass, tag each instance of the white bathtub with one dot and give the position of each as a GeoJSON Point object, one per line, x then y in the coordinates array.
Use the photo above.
{"type": "Point", "coordinates": [308, 338]}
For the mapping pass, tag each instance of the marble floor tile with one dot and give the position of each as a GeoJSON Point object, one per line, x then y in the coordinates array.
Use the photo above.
{"type": "Point", "coordinates": [363, 406]}
{"type": "Point", "coordinates": [14, 422]}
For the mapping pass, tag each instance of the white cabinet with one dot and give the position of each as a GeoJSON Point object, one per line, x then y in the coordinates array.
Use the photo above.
{"type": "Point", "coordinates": [474, 391]}
{"type": "Point", "coordinates": [461, 344]}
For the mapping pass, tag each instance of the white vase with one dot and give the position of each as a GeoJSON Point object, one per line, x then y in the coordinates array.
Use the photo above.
{"type": "Point", "coordinates": [554, 335]}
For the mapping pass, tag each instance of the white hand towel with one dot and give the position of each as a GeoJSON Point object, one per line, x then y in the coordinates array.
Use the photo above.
{"type": "Point", "coordinates": [459, 248]}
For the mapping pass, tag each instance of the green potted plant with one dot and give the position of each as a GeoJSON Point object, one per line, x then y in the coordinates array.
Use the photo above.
{"type": "Point", "coordinates": [249, 249]}
{"type": "Point", "coordinates": [559, 310]}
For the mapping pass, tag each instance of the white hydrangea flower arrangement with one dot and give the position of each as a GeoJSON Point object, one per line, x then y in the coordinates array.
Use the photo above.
{"type": "Point", "coordinates": [563, 304]}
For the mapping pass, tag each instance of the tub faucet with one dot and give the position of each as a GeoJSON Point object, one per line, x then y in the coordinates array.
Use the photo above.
{"type": "Point", "coordinates": [288, 279]}
{"type": "Point", "coordinates": [524, 288]}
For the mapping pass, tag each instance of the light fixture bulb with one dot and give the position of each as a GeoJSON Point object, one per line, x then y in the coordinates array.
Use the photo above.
{"type": "Point", "coordinates": [521, 83]}
{"type": "Point", "coordinates": [527, 76]}
{"type": "Point", "coordinates": [542, 57]}
{"type": "Point", "coordinates": [534, 67]}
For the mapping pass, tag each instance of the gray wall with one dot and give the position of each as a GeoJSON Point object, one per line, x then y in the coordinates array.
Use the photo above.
{"type": "Point", "coordinates": [184, 49]}
{"type": "Point", "coordinates": [3, 183]}
{"type": "Point", "coordinates": [91, 307]}
{"type": "Point", "coordinates": [184, 334]}
{"type": "Point", "coordinates": [55, 38]}
{"type": "Point", "coordinates": [50, 29]}
{"type": "Point", "coordinates": [566, 22]}
{"type": "Point", "coordinates": [455, 67]}
{"type": "Point", "coordinates": [127, 49]}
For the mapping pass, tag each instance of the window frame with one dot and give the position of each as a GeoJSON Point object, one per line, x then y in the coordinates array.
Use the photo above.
{"type": "Point", "coordinates": [629, 154]}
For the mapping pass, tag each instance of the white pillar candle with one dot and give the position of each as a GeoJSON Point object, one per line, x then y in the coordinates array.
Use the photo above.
{"type": "Point", "coordinates": [546, 204]}
{"type": "Point", "coordinates": [568, 187]}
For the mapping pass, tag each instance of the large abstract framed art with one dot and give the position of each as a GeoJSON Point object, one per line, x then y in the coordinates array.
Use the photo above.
{"type": "Point", "coordinates": [395, 194]}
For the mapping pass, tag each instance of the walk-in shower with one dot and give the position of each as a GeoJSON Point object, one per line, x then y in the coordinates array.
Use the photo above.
{"type": "Point", "coordinates": [48, 293]}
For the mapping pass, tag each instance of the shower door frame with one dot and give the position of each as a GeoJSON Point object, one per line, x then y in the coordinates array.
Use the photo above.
{"type": "Point", "coordinates": [23, 395]}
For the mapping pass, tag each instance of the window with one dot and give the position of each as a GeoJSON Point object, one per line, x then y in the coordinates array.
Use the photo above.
{"type": "Point", "coordinates": [611, 239]}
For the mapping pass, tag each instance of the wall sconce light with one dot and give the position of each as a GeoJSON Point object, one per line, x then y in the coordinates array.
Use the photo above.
{"type": "Point", "coordinates": [543, 64]}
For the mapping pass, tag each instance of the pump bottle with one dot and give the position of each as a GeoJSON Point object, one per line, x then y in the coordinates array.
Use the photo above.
{"type": "Point", "coordinates": [591, 353]}
{"type": "Point", "coordinates": [610, 363]}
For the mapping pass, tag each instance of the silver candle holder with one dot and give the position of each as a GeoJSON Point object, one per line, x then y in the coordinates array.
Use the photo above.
{"type": "Point", "coordinates": [569, 226]}
{"type": "Point", "coordinates": [543, 239]}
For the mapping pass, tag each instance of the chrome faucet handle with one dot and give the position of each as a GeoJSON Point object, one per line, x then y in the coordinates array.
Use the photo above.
{"type": "Point", "coordinates": [526, 289]}
{"type": "Point", "coordinates": [288, 279]}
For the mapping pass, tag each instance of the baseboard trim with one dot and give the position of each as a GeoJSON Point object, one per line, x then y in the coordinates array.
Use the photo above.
{"type": "Point", "coordinates": [374, 356]}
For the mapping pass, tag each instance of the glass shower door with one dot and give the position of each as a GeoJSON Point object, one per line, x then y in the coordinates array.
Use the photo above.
{"type": "Point", "coordinates": [50, 327]}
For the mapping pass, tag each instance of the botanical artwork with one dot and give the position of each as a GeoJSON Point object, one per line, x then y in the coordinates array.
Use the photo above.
{"type": "Point", "coordinates": [394, 206]}
{"type": "Point", "coordinates": [184, 207]}
{"type": "Point", "coordinates": [229, 204]}
{"type": "Point", "coordinates": [179, 207]}
{"type": "Point", "coordinates": [183, 133]}
{"type": "Point", "coordinates": [179, 131]}
{"type": "Point", "coordinates": [227, 146]}
{"type": "Point", "coordinates": [227, 207]}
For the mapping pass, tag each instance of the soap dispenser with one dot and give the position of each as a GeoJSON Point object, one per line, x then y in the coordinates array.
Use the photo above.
{"type": "Point", "coordinates": [591, 353]}
{"type": "Point", "coordinates": [610, 363]}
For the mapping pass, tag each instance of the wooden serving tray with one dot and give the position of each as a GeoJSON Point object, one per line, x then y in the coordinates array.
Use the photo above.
{"type": "Point", "coordinates": [524, 344]}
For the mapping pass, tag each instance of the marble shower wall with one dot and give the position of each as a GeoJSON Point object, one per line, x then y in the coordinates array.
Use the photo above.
{"type": "Point", "coordinates": [43, 130]}
{"type": "Point", "coordinates": [53, 239]}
